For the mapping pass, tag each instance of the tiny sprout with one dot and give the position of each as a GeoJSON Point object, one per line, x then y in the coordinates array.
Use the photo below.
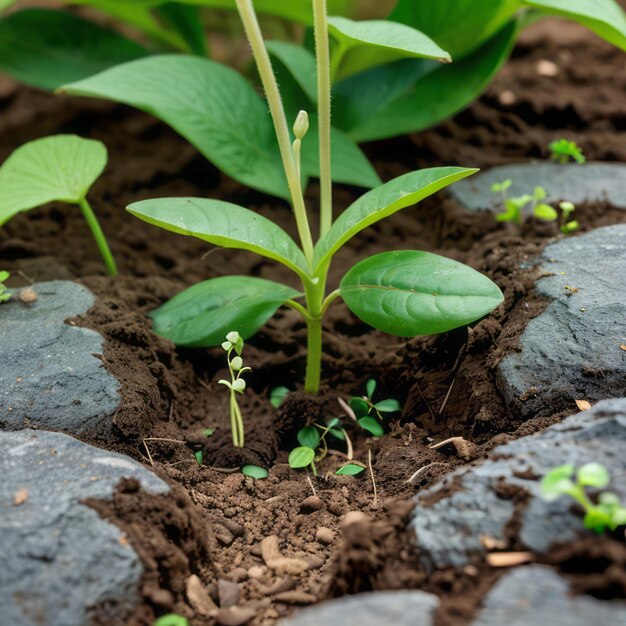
{"type": "Point", "coordinates": [199, 456]}
{"type": "Point", "coordinates": [254, 471]}
{"type": "Point", "coordinates": [562, 150]}
{"type": "Point", "coordinates": [171, 619]}
{"type": "Point", "coordinates": [4, 296]}
{"type": "Point", "coordinates": [350, 469]}
{"type": "Point", "coordinates": [236, 384]}
{"type": "Point", "coordinates": [608, 513]}
{"type": "Point", "coordinates": [277, 396]}
{"type": "Point", "coordinates": [368, 414]}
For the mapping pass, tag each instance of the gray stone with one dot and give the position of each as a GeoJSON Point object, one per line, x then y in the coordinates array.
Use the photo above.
{"type": "Point", "coordinates": [49, 374]}
{"type": "Point", "coordinates": [538, 595]}
{"type": "Point", "coordinates": [573, 182]}
{"type": "Point", "coordinates": [572, 350]}
{"type": "Point", "coordinates": [59, 558]}
{"type": "Point", "coordinates": [400, 608]}
{"type": "Point", "coordinates": [453, 528]}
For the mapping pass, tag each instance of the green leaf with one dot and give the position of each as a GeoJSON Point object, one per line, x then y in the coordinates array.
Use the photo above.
{"type": "Point", "coordinates": [370, 387]}
{"type": "Point", "coordinates": [199, 456]}
{"type": "Point", "coordinates": [186, 22]}
{"type": "Point", "coordinates": [596, 519]}
{"type": "Point", "coordinates": [207, 432]}
{"type": "Point", "coordinates": [408, 293]}
{"type": "Point", "coordinates": [171, 619]}
{"type": "Point", "coordinates": [332, 423]}
{"type": "Point", "coordinates": [254, 471]}
{"type": "Point", "coordinates": [545, 212]}
{"type": "Point", "coordinates": [605, 17]}
{"type": "Point", "coordinates": [436, 92]}
{"type": "Point", "coordinates": [371, 425]}
{"type": "Point", "coordinates": [557, 482]}
{"type": "Point", "coordinates": [368, 43]}
{"type": "Point", "coordinates": [46, 49]}
{"type": "Point", "coordinates": [277, 395]}
{"type": "Point", "coordinates": [350, 469]}
{"type": "Point", "coordinates": [388, 406]}
{"type": "Point", "coordinates": [301, 457]}
{"type": "Point", "coordinates": [299, 62]}
{"type": "Point", "coordinates": [309, 437]}
{"type": "Point", "coordinates": [202, 315]}
{"type": "Point", "coordinates": [593, 475]}
{"type": "Point", "coordinates": [337, 433]}
{"type": "Point", "coordinates": [56, 168]}
{"type": "Point", "coordinates": [383, 201]}
{"type": "Point", "coordinates": [222, 224]}
{"type": "Point", "coordinates": [359, 406]}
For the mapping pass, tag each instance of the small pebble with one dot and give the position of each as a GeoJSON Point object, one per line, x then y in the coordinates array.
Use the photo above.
{"type": "Point", "coordinates": [324, 535]}
{"type": "Point", "coordinates": [256, 572]}
{"type": "Point", "coordinates": [507, 98]}
{"type": "Point", "coordinates": [311, 504]}
{"type": "Point", "coordinates": [547, 68]}
{"type": "Point", "coordinates": [27, 295]}
{"type": "Point", "coordinates": [354, 517]}
{"type": "Point", "coordinates": [228, 593]}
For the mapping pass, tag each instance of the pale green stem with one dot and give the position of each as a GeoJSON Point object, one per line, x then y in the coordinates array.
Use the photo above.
{"type": "Point", "coordinates": [98, 235]}
{"type": "Point", "coordinates": [314, 301]}
{"type": "Point", "coordinates": [268, 79]}
{"type": "Point", "coordinates": [297, 149]}
{"type": "Point", "coordinates": [322, 52]}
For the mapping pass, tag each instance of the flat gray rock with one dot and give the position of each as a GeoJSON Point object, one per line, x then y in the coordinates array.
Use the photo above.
{"type": "Point", "coordinates": [538, 595]}
{"type": "Point", "coordinates": [400, 608]}
{"type": "Point", "coordinates": [59, 559]}
{"type": "Point", "coordinates": [572, 351]}
{"type": "Point", "coordinates": [49, 376]}
{"type": "Point", "coordinates": [454, 528]}
{"type": "Point", "coordinates": [573, 182]}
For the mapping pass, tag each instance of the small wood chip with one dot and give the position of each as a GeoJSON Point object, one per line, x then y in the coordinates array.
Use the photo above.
{"type": "Point", "coordinates": [491, 543]}
{"type": "Point", "coordinates": [583, 405]}
{"type": "Point", "coordinates": [199, 597]}
{"type": "Point", "coordinates": [276, 561]}
{"type": "Point", "coordinates": [509, 559]}
{"type": "Point", "coordinates": [21, 495]}
{"type": "Point", "coordinates": [295, 597]}
{"type": "Point", "coordinates": [623, 346]}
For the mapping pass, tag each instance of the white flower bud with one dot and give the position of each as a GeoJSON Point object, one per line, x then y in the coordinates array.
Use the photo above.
{"type": "Point", "coordinates": [301, 125]}
{"type": "Point", "coordinates": [237, 363]}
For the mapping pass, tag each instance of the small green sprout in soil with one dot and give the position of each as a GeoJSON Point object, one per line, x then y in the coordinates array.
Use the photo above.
{"type": "Point", "coordinates": [562, 151]}
{"type": "Point", "coordinates": [313, 447]}
{"type": "Point", "coordinates": [350, 469]}
{"type": "Point", "coordinates": [609, 513]}
{"type": "Point", "coordinates": [277, 395]}
{"type": "Point", "coordinates": [515, 208]}
{"type": "Point", "coordinates": [254, 471]}
{"type": "Point", "coordinates": [4, 295]}
{"type": "Point", "coordinates": [236, 384]}
{"type": "Point", "coordinates": [171, 619]}
{"type": "Point", "coordinates": [368, 413]}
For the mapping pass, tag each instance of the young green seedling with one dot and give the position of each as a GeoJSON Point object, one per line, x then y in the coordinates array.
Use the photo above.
{"type": "Point", "coordinates": [562, 150]}
{"type": "Point", "coordinates": [236, 384]}
{"type": "Point", "coordinates": [404, 292]}
{"type": "Point", "coordinates": [4, 296]}
{"type": "Point", "coordinates": [515, 209]}
{"type": "Point", "coordinates": [277, 395]}
{"type": "Point", "coordinates": [254, 471]}
{"type": "Point", "coordinates": [171, 619]}
{"type": "Point", "coordinates": [608, 513]}
{"type": "Point", "coordinates": [368, 413]}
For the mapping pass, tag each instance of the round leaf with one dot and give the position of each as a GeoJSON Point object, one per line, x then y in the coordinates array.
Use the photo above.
{"type": "Point", "coordinates": [371, 425]}
{"type": "Point", "coordinates": [593, 475]}
{"type": "Point", "coordinates": [202, 315]}
{"type": "Point", "coordinates": [56, 168]}
{"type": "Point", "coordinates": [301, 457]}
{"type": "Point", "coordinates": [409, 293]}
{"type": "Point", "coordinates": [351, 469]}
{"type": "Point", "coordinates": [254, 471]}
{"type": "Point", "coordinates": [277, 395]}
{"type": "Point", "coordinates": [309, 437]}
{"type": "Point", "coordinates": [545, 212]}
{"type": "Point", "coordinates": [557, 482]}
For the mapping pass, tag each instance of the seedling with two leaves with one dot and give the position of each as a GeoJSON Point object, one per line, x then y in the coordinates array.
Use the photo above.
{"type": "Point", "coordinates": [369, 414]}
{"type": "Point", "coordinates": [515, 209]}
{"type": "Point", "coordinates": [562, 151]}
{"type": "Point", "coordinates": [4, 295]}
{"type": "Point", "coordinates": [609, 513]}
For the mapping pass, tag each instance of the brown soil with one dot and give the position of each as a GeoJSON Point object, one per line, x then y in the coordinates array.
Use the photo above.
{"type": "Point", "coordinates": [225, 528]}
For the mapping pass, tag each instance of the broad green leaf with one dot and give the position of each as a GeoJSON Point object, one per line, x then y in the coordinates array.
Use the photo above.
{"type": "Point", "coordinates": [383, 201]}
{"type": "Point", "coordinates": [371, 425]}
{"type": "Point", "coordinates": [56, 168]}
{"type": "Point", "coordinates": [46, 49]}
{"type": "Point", "coordinates": [201, 316]}
{"type": "Point", "coordinates": [301, 457]}
{"type": "Point", "coordinates": [605, 17]}
{"type": "Point", "coordinates": [361, 45]}
{"type": "Point", "coordinates": [186, 21]}
{"type": "Point", "coordinates": [221, 114]}
{"type": "Point", "coordinates": [459, 26]}
{"type": "Point", "coordinates": [557, 482]}
{"type": "Point", "coordinates": [4, 4]}
{"type": "Point", "coordinates": [254, 471]}
{"type": "Point", "coordinates": [593, 475]}
{"type": "Point", "coordinates": [309, 437]}
{"type": "Point", "coordinates": [438, 92]}
{"type": "Point", "coordinates": [350, 469]}
{"type": "Point", "coordinates": [545, 212]}
{"type": "Point", "coordinates": [388, 406]}
{"type": "Point", "coordinates": [359, 406]}
{"type": "Point", "coordinates": [277, 395]}
{"type": "Point", "coordinates": [222, 224]}
{"type": "Point", "coordinates": [408, 293]}
{"type": "Point", "coordinates": [300, 63]}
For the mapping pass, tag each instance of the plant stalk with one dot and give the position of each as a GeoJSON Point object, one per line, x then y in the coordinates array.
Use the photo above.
{"type": "Point", "coordinates": [314, 292]}
{"type": "Point", "coordinates": [272, 93]}
{"type": "Point", "coordinates": [98, 235]}
{"type": "Point", "coordinates": [322, 52]}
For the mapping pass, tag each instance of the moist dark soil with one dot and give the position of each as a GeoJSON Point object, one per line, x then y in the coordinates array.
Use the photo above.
{"type": "Point", "coordinates": [223, 547]}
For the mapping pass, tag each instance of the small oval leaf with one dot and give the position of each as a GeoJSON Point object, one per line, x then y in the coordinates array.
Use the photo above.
{"type": "Point", "coordinates": [254, 471]}
{"type": "Point", "coordinates": [309, 437]}
{"type": "Point", "coordinates": [277, 395]}
{"type": "Point", "coordinates": [301, 457]}
{"type": "Point", "coordinates": [359, 406]}
{"type": "Point", "coordinates": [201, 316]}
{"type": "Point", "coordinates": [388, 406]}
{"type": "Point", "coordinates": [350, 469]}
{"type": "Point", "coordinates": [371, 425]}
{"type": "Point", "coordinates": [593, 475]}
{"type": "Point", "coordinates": [409, 293]}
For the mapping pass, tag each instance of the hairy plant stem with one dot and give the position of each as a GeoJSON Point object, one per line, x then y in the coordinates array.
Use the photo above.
{"type": "Point", "coordinates": [268, 79]}
{"type": "Point", "coordinates": [98, 235]}
{"type": "Point", "coordinates": [322, 53]}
